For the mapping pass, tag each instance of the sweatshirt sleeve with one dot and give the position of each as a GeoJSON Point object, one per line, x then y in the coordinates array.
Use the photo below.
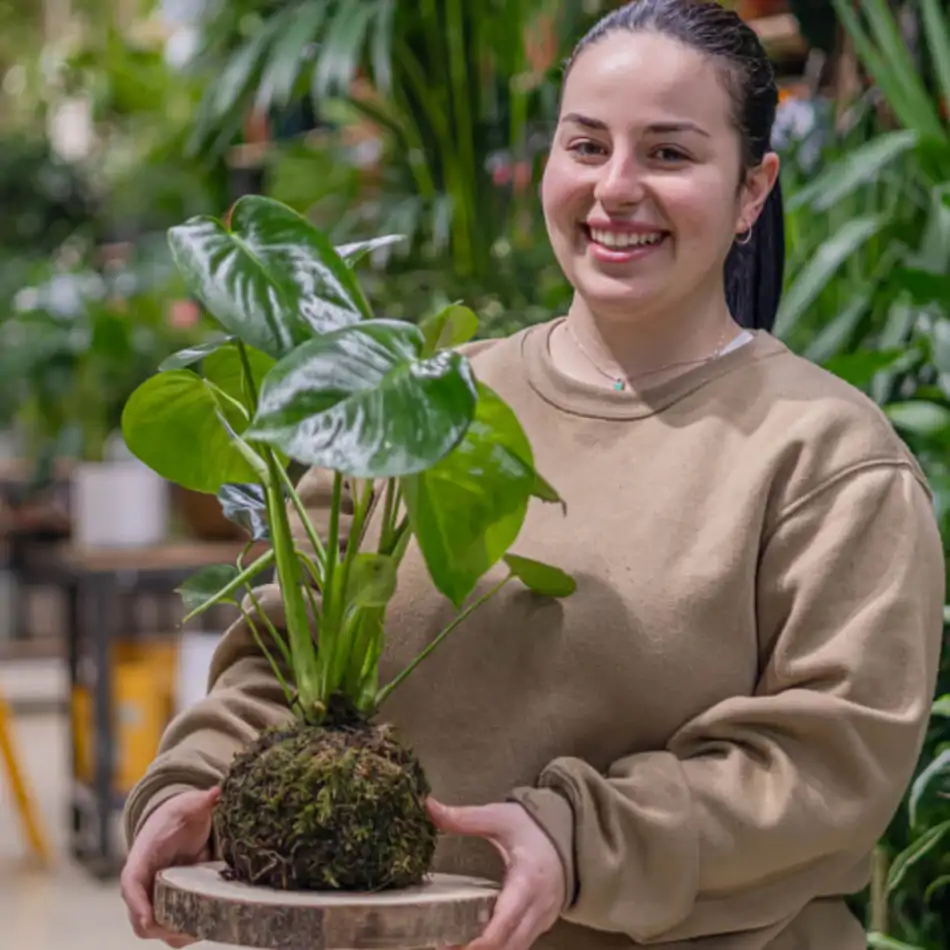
{"type": "Point", "coordinates": [244, 697]}
{"type": "Point", "coordinates": [765, 802]}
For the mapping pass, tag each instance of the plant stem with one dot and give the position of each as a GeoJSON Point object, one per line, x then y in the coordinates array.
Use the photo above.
{"type": "Point", "coordinates": [271, 629]}
{"type": "Point", "coordinates": [302, 647]}
{"type": "Point", "coordinates": [382, 695]}
{"type": "Point", "coordinates": [389, 508]}
{"type": "Point", "coordinates": [879, 908]}
{"type": "Point", "coordinates": [309, 565]}
{"type": "Point", "coordinates": [263, 562]}
{"type": "Point", "coordinates": [288, 692]}
{"type": "Point", "coordinates": [318, 549]}
{"type": "Point", "coordinates": [248, 374]}
{"type": "Point", "coordinates": [329, 633]}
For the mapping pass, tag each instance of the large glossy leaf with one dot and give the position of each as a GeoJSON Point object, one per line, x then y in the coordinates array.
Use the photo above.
{"type": "Point", "coordinates": [468, 510]}
{"type": "Point", "coordinates": [245, 505]}
{"type": "Point", "coordinates": [361, 401]}
{"type": "Point", "coordinates": [170, 422]}
{"type": "Point", "coordinates": [270, 278]}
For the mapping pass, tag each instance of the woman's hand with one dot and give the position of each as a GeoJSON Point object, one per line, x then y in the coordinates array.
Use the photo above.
{"type": "Point", "coordinates": [533, 892]}
{"type": "Point", "coordinates": [178, 832]}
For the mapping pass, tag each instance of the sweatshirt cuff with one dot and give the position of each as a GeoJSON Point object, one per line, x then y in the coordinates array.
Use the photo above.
{"type": "Point", "coordinates": [553, 814]}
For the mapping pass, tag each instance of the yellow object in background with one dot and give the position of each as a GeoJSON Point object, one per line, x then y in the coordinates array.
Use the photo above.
{"type": "Point", "coordinates": [21, 796]}
{"type": "Point", "coordinates": [143, 696]}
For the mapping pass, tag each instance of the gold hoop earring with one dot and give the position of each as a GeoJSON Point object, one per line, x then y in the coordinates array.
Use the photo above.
{"type": "Point", "coordinates": [745, 240]}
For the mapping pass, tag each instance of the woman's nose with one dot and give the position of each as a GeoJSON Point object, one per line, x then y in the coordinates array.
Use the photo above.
{"type": "Point", "coordinates": [619, 183]}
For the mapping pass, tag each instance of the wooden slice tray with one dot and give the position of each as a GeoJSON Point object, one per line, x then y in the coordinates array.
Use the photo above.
{"type": "Point", "coordinates": [445, 911]}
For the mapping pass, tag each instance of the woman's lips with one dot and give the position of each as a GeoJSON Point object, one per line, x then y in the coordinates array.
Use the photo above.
{"type": "Point", "coordinates": [618, 245]}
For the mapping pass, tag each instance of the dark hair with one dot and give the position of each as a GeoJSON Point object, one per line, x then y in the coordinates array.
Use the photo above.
{"type": "Point", "coordinates": [753, 271]}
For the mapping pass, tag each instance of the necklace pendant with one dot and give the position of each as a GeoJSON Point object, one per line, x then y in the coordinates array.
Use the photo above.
{"type": "Point", "coordinates": [618, 385]}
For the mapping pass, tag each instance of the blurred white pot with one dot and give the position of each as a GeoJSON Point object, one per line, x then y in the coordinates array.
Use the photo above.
{"type": "Point", "coordinates": [118, 504]}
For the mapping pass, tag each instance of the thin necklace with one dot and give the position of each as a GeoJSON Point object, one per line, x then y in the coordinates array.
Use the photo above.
{"type": "Point", "coordinates": [620, 383]}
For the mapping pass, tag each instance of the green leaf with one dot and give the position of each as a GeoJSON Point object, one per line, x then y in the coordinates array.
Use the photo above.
{"type": "Point", "coordinates": [834, 337]}
{"type": "Point", "coordinates": [937, 885]}
{"type": "Point", "coordinates": [361, 402]}
{"type": "Point", "coordinates": [860, 367]}
{"type": "Point", "coordinates": [820, 269]}
{"type": "Point", "coordinates": [272, 279]}
{"type": "Point", "coordinates": [857, 168]}
{"type": "Point", "coordinates": [878, 941]}
{"type": "Point", "coordinates": [941, 706]}
{"type": "Point", "coordinates": [924, 286]}
{"type": "Point", "coordinates": [546, 492]}
{"type": "Point", "coordinates": [467, 511]}
{"type": "Point", "coordinates": [940, 343]}
{"type": "Point", "coordinates": [339, 54]}
{"type": "Point", "coordinates": [287, 58]}
{"type": "Point", "coordinates": [448, 329]}
{"type": "Point", "coordinates": [372, 580]}
{"type": "Point", "coordinates": [354, 252]}
{"type": "Point", "coordinates": [919, 417]}
{"type": "Point", "coordinates": [193, 354]}
{"type": "Point", "coordinates": [937, 31]}
{"type": "Point", "coordinates": [225, 369]}
{"type": "Point", "coordinates": [246, 506]}
{"type": "Point", "coordinates": [205, 585]}
{"type": "Point", "coordinates": [938, 767]}
{"type": "Point", "coordinates": [171, 423]}
{"type": "Point", "coordinates": [541, 578]}
{"type": "Point", "coordinates": [918, 849]}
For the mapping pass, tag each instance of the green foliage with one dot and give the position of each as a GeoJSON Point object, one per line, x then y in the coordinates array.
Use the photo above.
{"type": "Point", "coordinates": [413, 440]}
{"type": "Point", "coordinates": [451, 105]}
{"type": "Point", "coordinates": [868, 297]}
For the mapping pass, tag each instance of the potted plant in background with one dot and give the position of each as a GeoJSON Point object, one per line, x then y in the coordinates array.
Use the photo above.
{"type": "Point", "coordinates": [423, 452]}
{"type": "Point", "coordinates": [78, 341]}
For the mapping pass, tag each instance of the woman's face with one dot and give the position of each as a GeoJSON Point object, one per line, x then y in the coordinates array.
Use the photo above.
{"type": "Point", "coordinates": [641, 191]}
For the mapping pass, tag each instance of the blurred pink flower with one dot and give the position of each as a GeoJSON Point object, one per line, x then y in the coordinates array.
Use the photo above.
{"type": "Point", "coordinates": [183, 314]}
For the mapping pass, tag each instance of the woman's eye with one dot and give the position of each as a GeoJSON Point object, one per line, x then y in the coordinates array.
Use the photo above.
{"type": "Point", "coordinates": [670, 154]}
{"type": "Point", "coordinates": [587, 149]}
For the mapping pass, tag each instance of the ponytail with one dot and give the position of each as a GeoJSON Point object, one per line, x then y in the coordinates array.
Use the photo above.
{"type": "Point", "coordinates": [754, 272]}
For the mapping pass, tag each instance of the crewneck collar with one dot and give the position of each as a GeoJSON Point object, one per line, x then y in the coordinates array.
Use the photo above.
{"type": "Point", "coordinates": [598, 402]}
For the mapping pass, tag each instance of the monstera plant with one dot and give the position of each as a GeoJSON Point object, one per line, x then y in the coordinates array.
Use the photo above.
{"type": "Point", "coordinates": [420, 453]}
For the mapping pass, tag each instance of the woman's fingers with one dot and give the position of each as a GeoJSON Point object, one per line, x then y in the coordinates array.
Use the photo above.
{"type": "Point", "coordinates": [511, 908]}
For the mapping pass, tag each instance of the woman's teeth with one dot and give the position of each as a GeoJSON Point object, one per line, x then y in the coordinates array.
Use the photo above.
{"type": "Point", "coordinates": [618, 240]}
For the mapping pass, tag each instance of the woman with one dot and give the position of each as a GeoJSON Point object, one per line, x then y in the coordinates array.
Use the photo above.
{"type": "Point", "coordinates": [701, 747]}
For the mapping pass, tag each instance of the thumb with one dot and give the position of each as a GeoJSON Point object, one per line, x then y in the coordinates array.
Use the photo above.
{"type": "Point", "coordinates": [483, 821]}
{"type": "Point", "coordinates": [197, 806]}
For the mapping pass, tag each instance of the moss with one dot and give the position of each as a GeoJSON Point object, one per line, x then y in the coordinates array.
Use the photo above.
{"type": "Point", "coordinates": [333, 807]}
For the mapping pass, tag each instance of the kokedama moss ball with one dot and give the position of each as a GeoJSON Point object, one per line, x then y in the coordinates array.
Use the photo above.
{"type": "Point", "coordinates": [325, 808]}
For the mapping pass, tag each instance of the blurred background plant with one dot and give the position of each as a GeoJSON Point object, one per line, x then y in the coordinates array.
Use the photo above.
{"type": "Point", "coordinates": [868, 297]}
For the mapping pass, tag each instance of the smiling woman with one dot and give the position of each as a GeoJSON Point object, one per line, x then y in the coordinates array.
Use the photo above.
{"type": "Point", "coordinates": [699, 748]}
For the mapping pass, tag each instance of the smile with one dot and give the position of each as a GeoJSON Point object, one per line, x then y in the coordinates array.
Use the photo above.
{"type": "Point", "coordinates": [620, 240]}
{"type": "Point", "coordinates": [619, 246]}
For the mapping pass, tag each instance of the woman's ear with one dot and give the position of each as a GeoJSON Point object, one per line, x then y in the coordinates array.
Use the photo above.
{"type": "Point", "coordinates": [758, 183]}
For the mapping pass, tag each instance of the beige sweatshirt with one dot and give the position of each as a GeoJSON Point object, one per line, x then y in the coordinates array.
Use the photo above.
{"type": "Point", "coordinates": [717, 727]}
